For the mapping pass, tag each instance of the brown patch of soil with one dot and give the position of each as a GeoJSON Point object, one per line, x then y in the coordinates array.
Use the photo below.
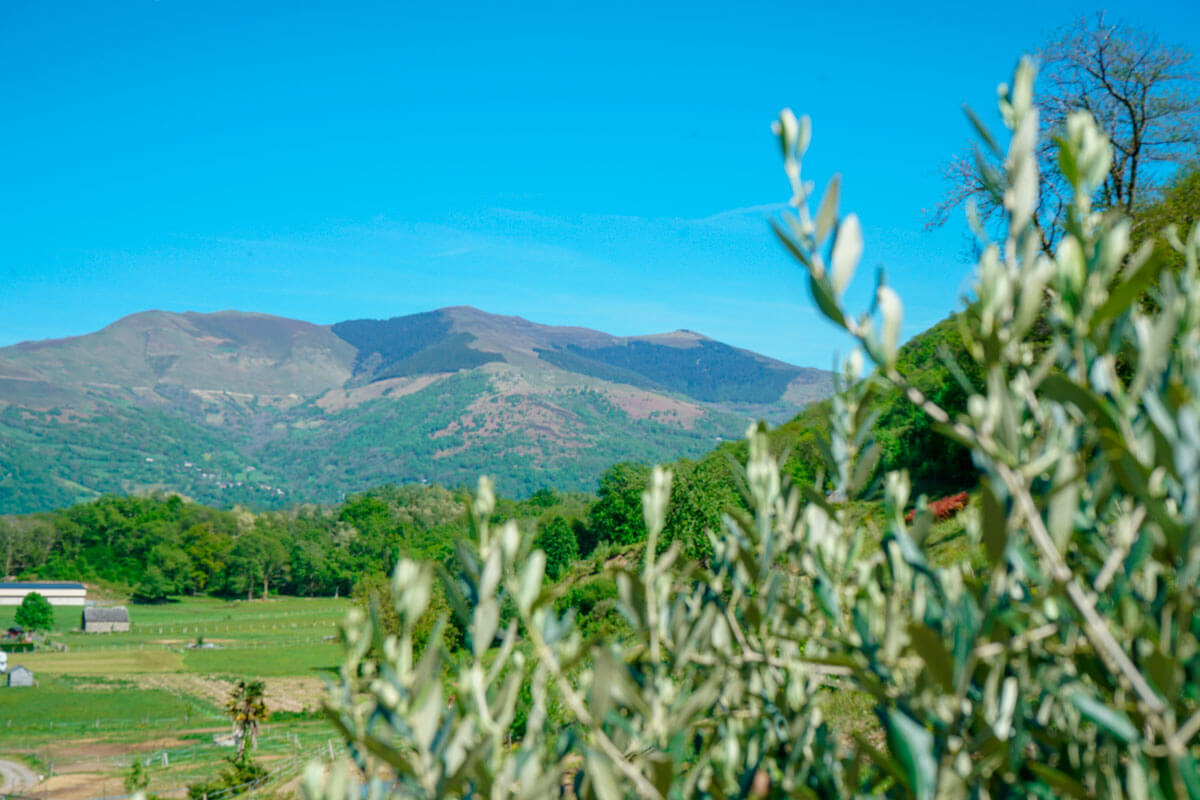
{"type": "Point", "coordinates": [283, 694]}
{"type": "Point", "coordinates": [619, 560]}
{"type": "Point", "coordinates": [341, 399]}
{"type": "Point", "coordinates": [78, 750]}
{"type": "Point", "coordinates": [667, 410]}
{"type": "Point", "coordinates": [518, 409]}
{"type": "Point", "coordinates": [79, 786]}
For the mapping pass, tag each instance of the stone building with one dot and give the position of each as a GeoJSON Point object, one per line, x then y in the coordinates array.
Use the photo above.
{"type": "Point", "coordinates": [105, 620]}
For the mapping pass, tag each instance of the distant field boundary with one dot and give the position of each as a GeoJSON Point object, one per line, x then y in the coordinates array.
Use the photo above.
{"type": "Point", "coordinates": [298, 761]}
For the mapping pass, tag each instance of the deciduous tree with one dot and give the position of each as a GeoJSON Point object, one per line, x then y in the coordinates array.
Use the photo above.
{"type": "Point", "coordinates": [616, 516]}
{"type": "Point", "coordinates": [557, 541]}
{"type": "Point", "coordinates": [35, 613]}
{"type": "Point", "coordinates": [1061, 660]}
{"type": "Point", "coordinates": [1143, 93]}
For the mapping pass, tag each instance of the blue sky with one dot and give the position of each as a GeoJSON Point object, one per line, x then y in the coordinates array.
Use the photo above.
{"type": "Point", "coordinates": [607, 165]}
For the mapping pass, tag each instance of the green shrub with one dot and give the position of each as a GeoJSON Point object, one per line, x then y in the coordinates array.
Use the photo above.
{"type": "Point", "coordinates": [242, 776]}
{"type": "Point", "coordinates": [557, 541]}
{"type": "Point", "coordinates": [617, 515]}
{"type": "Point", "coordinates": [35, 613]}
{"type": "Point", "coordinates": [1067, 665]}
{"type": "Point", "coordinates": [153, 588]}
{"type": "Point", "coordinates": [596, 607]}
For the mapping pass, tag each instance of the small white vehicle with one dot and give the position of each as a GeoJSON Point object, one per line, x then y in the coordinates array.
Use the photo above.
{"type": "Point", "coordinates": [3, 661]}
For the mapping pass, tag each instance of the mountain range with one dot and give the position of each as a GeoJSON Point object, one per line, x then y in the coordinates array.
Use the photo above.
{"type": "Point", "coordinates": [234, 407]}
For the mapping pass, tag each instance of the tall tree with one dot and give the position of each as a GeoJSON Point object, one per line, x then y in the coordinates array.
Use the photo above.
{"type": "Point", "coordinates": [25, 542]}
{"type": "Point", "coordinates": [154, 587]}
{"type": "Point", "coordinates": [1178, 205]}
{"type": "Point", "coordinates": [617, 515]}
{"type": "Point", "coordinates": [1144, 95]}
{"type": "Point", "coordinates": [557, 541]}
{"type": "Point", "coordinates": [247, 710]}
{"type": "Point", "coordinates": [256, 558]}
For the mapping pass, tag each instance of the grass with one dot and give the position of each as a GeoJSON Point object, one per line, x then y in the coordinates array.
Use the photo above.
{"type": "Point", "coordinates": [60, 705]}
{"type": "Point", "coordinates": [254, 616]}
{"type": "Point", "coordinates": [109, 697]}
{"type": "Point", "coordinates": [850, 712]}
{"type": "Point", "coordinates": [117, 661]}
{"type": "Point", "coordinates": [266, 661]}
{"type": "Point", "coordinates": [948, 543]}
{"type": "Point", "coordinates": [65, 617]}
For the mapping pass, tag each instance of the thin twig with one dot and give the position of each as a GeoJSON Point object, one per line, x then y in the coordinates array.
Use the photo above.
{"type": "Point", "coordinates": [1102, 638]}
{"type": "Point", "coordinates": [754, 657]}
{"type": "Point", "coordinates": [1021, 640]}
{"type": "Point", "coordinates": [1182, 736]}
{"type": "Point", "coordinates": [579, 709]}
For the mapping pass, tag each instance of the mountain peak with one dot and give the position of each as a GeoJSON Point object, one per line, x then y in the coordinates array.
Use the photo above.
{"type": "Point", "coordinates": [192, 401]}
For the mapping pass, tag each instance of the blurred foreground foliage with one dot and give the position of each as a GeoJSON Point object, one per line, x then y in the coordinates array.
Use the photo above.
{"type": "Point", "coordinates": [1065, 664]}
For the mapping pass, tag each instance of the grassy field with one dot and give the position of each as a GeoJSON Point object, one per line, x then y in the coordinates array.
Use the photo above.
{"type": "Point", "coordinates": [103, 700]}
{"type": "Point", "coordinates": [65, 617]}
{"type": "Point", "coordinates": [85, 703]}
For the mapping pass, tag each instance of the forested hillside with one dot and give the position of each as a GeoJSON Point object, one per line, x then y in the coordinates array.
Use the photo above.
{"type": "Point", "coordinates": [161, 546]}
{"type": "Point", "coordinates": [234, 408]}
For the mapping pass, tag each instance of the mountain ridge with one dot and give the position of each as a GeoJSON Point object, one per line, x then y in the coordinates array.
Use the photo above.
{"type": "Point", "coordinates": [280, 410]}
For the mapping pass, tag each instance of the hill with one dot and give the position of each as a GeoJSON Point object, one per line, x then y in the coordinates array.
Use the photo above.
{"type": "Point", "coordinates": [237, 407]}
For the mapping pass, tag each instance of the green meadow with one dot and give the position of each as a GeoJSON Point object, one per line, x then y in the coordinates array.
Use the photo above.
{"type": "Point", "coordinates": [102, 700]}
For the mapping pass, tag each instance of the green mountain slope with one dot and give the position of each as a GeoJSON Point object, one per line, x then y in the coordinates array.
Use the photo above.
{"type": "Point", "coordinates": [227, 351]}
{"type": "Point", "coordinates": [247, 408]}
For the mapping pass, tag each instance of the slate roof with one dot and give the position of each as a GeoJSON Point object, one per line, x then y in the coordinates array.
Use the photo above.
{"type": "Point", "coordinates": [118, 614]}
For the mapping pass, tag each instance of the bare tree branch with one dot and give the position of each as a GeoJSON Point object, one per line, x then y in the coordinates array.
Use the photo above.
{"type": "Point", "coordinates": [1144, 94]}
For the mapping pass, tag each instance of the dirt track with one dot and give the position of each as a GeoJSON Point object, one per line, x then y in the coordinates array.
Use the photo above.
{"type": "Point", "coordinates": [15, 776]}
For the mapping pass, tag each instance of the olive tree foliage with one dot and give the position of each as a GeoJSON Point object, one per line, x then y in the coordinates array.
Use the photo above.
{"type": "Point", "coordinates": [1067, 666]}
{"type": "Point", "coordinates": [1143, 94]}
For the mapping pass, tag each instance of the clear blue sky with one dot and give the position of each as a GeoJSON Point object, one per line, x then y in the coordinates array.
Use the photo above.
{"type": "Point", "coordinates": [602, 164]}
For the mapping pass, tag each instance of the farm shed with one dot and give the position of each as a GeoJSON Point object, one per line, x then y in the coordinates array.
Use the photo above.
{"type": "Point", "coordinates": [105, 620]}
{"type": "Point", "coordinates": [20, 676]}
{"type": "Point", "coordinates": [58, 593]}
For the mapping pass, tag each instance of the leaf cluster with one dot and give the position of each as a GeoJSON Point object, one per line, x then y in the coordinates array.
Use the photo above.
{"type": "Point", "coordinates": [1066, 664]}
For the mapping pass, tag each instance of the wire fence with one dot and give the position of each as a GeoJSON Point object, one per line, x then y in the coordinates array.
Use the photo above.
{"type": "Point", "coordinates": [28, 725]}
{"type": "Point", "coordinates": [209, 637]}
{"type": "Point", "coordinates": [175, 768]}
{"type": "Point", "coordinates": [277, 775]}
{"type": "Point", "coordinates": [269, 743]}
{"type": "Point", "coordinates": [243, 624]}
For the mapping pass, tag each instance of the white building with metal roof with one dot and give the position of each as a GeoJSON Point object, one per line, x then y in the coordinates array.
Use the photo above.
{"type": "Point", "coordinates": [59, 593]}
